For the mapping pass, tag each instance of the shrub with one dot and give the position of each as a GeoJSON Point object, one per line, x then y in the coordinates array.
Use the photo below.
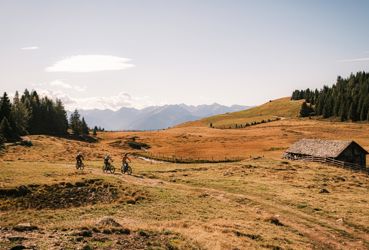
{"type": "Point", "coordinates": [26, 143]}
{"type": "Point", "coordinates": [138, 145]}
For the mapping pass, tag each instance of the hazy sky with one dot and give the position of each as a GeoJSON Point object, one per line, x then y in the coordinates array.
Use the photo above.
{"type": "Point", "coordinates": [107, 54]}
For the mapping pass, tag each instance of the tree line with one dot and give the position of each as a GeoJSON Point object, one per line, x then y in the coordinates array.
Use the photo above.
{"type": "Point", "coordinates": [32, 114]}
{"type": "Point", "coordinates": [347, 99]}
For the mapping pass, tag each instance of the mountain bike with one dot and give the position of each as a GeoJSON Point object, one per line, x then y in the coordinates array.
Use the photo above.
{"type": "Point", "coordinates": [108, 168]}
{"type": "Point", "coordinates": [80, 165]}
{"type": "Point", "coordinates": [126, 169]}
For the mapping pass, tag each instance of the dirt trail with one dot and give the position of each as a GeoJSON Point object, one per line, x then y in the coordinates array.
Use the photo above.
{"type": "Point", "coordinates": [321, 231]}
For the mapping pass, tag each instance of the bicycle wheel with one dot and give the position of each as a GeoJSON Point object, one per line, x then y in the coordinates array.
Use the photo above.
{"type": "Point", "coordinates": [112, 169]}
{"type": "Point", "coordinates": [129, 170]}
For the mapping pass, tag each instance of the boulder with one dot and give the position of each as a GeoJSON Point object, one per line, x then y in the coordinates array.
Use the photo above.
{"type": "Point", "coordinates": [22, 227]}
{"type": "Point", "coordinates": [108, 222]}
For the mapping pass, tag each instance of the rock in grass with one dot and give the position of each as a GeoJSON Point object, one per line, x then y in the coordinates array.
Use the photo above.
{"type": "Point", "coordinates": [22, 227]}
{"type": "Point", "coordinates": [87, 247]}
{"type": "Point", "coordinates": [274, 220]}
{"type": "Point", "coordinates": [143, 233]}
{"type": "Point", "coordinates": [14, 238]}
{"type": "Point", "coordinates": [323, 191]}
{"type": "Point", "coordinates": [108, 222]}
{"type": "Point", "coordinates": [18, 247]}
{"type": "Point", "coordinates": [85, 233]}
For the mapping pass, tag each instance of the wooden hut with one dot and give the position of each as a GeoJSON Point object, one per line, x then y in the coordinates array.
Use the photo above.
{"type": "Point", "coordinates": [341, 151]}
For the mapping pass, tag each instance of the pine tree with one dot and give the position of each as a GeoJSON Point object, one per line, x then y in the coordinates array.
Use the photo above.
{"type": "Point", "coordinates": [343, 112]}
{"type": "Point", "coordinates": [305, 110]}
{"type": "Point", "coordinates": [75, 123]}
{"type": "Point", "coordinates": [20, 115]}
{"type": "Point", "coordinates": [347, 98]}
{"type": "Point", "coordinates": [353, 112]}
{"type": "Point", "coordinates": [85, 129]}
{"type": "Point", "coordinates": [327, 109]}
{"type": "Point", "coordinates": [61, 117]}
{"type": "Point", "coordinates": [94, 131]}
{"type": "Point", "coordinates": [5, 107]}
{"type": "Point", "coordinates": [6, 130]}
{"type": "Point", "coordinates": [36, 122]}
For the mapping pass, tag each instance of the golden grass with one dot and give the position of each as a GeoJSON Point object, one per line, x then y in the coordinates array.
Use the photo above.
{"type": "Point", "coordinates": [283, 107]}
{"type": "Point", "coordinates": [268, 139]}
{"type": "Point", "coordinates": [260, 202]}
{"type": "Point", "coordinates": [221, 205]}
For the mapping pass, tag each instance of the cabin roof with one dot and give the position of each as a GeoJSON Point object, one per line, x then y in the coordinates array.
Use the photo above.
{"type": "Point", "coordinates": [321, 148]}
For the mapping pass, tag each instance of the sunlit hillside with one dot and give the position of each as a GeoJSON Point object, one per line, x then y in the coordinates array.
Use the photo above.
{"type": "Point", "coordinates": [282, 108]}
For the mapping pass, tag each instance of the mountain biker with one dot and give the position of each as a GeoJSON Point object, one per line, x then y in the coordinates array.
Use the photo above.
{"type": "Point", "coordinates": [107, 160]}
{"type": "Point", "coordinates": [125, 161]}
{"type": "Point", "coordinates": [79, 159]}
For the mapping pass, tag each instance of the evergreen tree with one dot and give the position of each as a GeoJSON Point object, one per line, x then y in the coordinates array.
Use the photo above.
{"type": "Point", "coordinates": [85, 129]}
{"type": "Point", "coordinates": [5, 110]}
{"type": "Point", "coordinates": [353, 112]}
{"type": "Point", "coordinates": [61, 117]}
{"type": "Point", "coordinates": [343, 111]}
{"type": "Point", "coordinates": [35, 124]}
{"type": "Point", "coordinates": [20, 115]}
{"type": "Point", "coordinates": [26, 95]}
{"type": "Point", "coordinates": [305, 110]}
{"type": "Point", "coordinates": [5, 107]}
{"type": "Point", "coordinates": [327, 109]}
{"type": "Point", "coordinates": [347, 98]}
{"type": "Point", "coordinates": [94, 131]}
{"type": "Point", "coordinates": [6, 131]}
{"type": "Point", "coordinates": [75, 123]}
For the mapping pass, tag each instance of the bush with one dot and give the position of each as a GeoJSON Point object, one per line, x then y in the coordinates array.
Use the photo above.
{"type": "Point", "coordinates": [26, 143]}
{"type": "Point", "coordinates": [138, 145]}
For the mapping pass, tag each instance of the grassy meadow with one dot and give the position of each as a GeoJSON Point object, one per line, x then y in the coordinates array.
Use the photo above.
{"type": "Point", "coordinates": [260, 202]}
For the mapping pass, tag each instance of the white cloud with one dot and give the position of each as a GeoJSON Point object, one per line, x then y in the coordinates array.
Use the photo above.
{"type": "Point", "coordinates": [105, 102]}
{"type": "Point", "coordinates": [30, 48]}
{"type": "Point", "coordinates": [64, 85]}
{"type": "Point", "coordinates": [90, 63]}
{"type": "Point", "coordinates": [355, 60]}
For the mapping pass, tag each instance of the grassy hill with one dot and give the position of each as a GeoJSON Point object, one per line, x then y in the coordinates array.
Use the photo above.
{"type": "Point", "coordinates": [282, 107]}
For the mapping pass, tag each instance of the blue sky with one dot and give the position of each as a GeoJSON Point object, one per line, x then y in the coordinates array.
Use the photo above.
{"type": "Point", "coordinates": [107, 54]}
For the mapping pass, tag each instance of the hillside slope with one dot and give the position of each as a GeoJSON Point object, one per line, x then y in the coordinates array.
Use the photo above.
{"type": "Point", "coordinates": [282, 107]}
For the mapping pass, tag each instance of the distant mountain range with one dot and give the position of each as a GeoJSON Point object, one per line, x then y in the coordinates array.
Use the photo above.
{"type": "Point", "coordinates": [153, 117]}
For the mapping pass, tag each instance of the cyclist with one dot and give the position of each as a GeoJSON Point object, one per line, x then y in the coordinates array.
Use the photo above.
{"type": "Point", "coordinates": [125, 161]}
{"type": "Point", "coordinates": [79, 159]}
{"type": "Point", "coordinates": [107, 160]}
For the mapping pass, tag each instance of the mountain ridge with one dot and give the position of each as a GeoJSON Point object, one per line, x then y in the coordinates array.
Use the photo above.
{"type": "Point", "coordinates": [153, 117]}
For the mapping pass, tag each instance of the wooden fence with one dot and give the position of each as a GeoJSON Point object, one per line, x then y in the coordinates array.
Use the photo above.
{"type": "Point", "coordinates": [334, 162]}
{"type": "Point", "coordinates": [176, 159]}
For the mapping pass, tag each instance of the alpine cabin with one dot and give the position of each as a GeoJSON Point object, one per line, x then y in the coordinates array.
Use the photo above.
{"type": "Point", "coordinates": [343, 151]}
